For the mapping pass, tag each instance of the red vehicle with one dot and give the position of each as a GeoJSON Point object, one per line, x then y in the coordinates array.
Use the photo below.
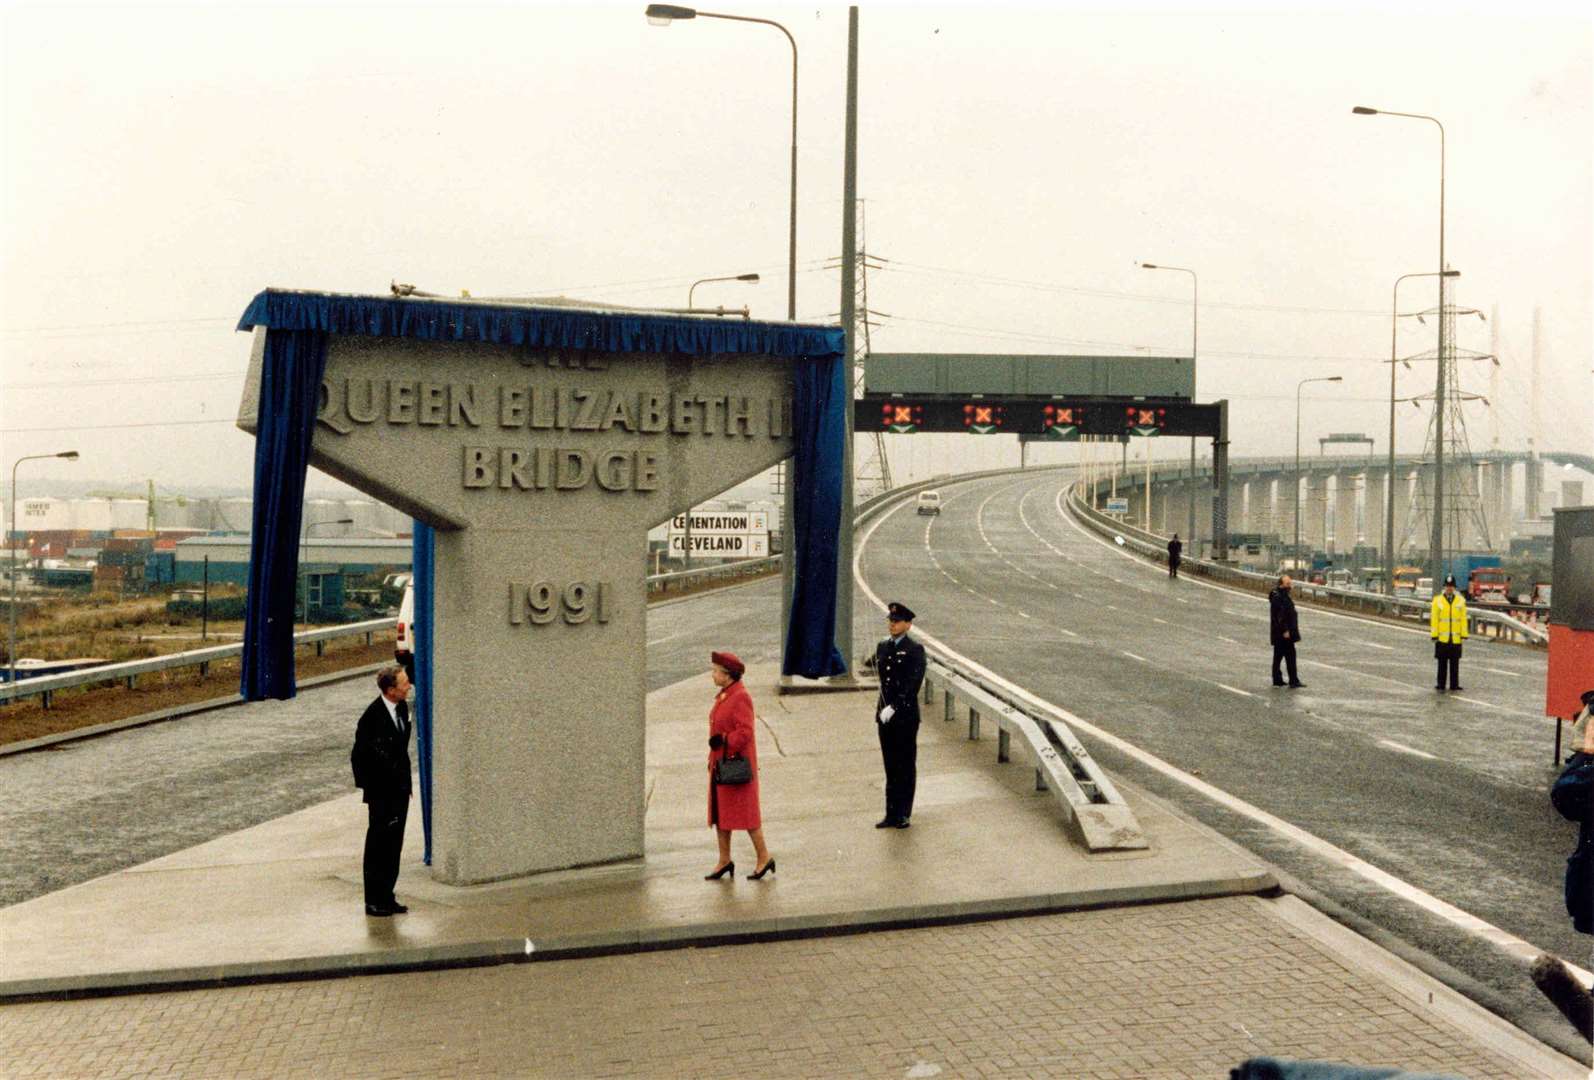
{"type": "Point", "coordinates": [1489, 583]}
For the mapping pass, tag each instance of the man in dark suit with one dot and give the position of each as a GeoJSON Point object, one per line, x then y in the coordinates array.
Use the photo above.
{"type": "Point", "coordinates": [381, 760]}
{"type": "Point", "coordinates": [899, 660]}
{"type": "Point", "coordinates": [1175, 553]}
{"type": "Point", "coordinates": [1285, 630]}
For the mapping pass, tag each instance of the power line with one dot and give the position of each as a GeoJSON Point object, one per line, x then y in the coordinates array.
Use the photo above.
{"type": "Point", "coordinates": [1113, 294]}
{"type": "Point", "coordinates": [74, 383]}
{"type": "Point", "coordinates": [113, 427]}
{"type": "Point", "coordinates": [1019, 335]}
{"type": "Point", "coordinates": [117, 325]}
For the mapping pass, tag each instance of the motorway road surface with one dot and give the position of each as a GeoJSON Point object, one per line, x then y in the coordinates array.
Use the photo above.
{"type": "Point", "coordinates": [1445, 792]}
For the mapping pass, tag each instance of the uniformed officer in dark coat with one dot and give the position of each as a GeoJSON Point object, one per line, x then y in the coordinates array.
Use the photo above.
{"type": "Point", "coordinates": [1175, 553]}
{"type": "Point", "coordinates": [381, 762]}
{"type": "Point", "coordinates": [899, 660]}
{"type": "Point", "coordinates": [1285, 631]}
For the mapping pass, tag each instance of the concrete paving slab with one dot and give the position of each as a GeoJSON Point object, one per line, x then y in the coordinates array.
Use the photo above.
{"type": "Point", "coordinates": [283, 900]}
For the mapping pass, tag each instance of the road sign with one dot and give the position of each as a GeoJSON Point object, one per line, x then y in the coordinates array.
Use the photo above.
{"type": "Point", "coordinates": [1145, 421]}
{"type": "Point", "coordinates": [722, 545]}
{"type": "Point", "coordinates": [1118, 506]}
{"type": "Point", "coordinates": [1029, 415]}
{"type": "Point", "coordinates": [722, 522]}
{"type": "Point", "coordinates": [984, 418]}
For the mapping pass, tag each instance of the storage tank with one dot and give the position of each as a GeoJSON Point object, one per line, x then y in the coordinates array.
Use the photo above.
{"type": "Point", "coordinates": [129, 513]}
{"type": "Point", "coordinates": [91, 514]}
{"type": "Point", "coordinates": [234, 515]}
{"type": "Point", "coordinates": [389, 520]}
{"type": "Point", "coordinates": [363, 513]}
{"type": "Point", "coordinates": [35, 515]}
{"type": "Point", "coordinates": [323, 510]}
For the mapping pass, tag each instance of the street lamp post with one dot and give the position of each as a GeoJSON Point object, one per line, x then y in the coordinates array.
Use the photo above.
{"type": "Point", "coordinates": [664, 15]}
{"type": "Point", "coordinates": [11, 649]}
{"type": "Point", "coordinates": [1389, 501]}
{"type": "Point", "coordinates": [1296, 549]}
{"type": "Point", "coordinates": [303, 578]}
{"type": "Point", "coordinates": [1436, 552]}
{"type": "Point", "coordinates": [753, 278]}
{"type": "Point", "coordinates": [1195, 311]}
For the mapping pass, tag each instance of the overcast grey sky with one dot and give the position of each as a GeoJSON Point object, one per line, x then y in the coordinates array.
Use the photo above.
{"type": "Point", "coordinates": [163, 164]}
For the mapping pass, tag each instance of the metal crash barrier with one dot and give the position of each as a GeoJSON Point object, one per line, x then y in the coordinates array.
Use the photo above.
{"type": "Point", "coordinates": [1152, 546]}
{"type": "Point", "coordinates": [1062, 765]}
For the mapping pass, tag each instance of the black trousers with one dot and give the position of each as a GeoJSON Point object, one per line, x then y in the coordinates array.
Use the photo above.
{"type": "Point", "coordinates": [1448, 657]}
{"type": "Point", "coordinates": [1173, 567]}
{"type": "Point", "coordinates": [384, 840]}
{"type": "Point", "coordinates": [899, 750]}
{"type": "Point", "coordinates": [1285, 651]}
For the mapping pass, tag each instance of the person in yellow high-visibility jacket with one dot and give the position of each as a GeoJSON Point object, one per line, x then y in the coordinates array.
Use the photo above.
{"type": "Point", "coordinates": [1447, 625]}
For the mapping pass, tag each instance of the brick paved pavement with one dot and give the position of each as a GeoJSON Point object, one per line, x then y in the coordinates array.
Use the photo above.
{"type": "Point", "coordinates": [1089, 994]}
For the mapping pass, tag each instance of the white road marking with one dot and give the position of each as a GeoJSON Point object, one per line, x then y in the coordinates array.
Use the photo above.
{"type": "Point", "coordinates": [1230, 640]}
{"type": "Point", "coordinates": [1067, 631]}
{"type": "Point", "coordinates": [1110, 546]}
{"type": "Point", "coordinates": [1132, 656]}
{"type": "Point", "coordinates": [1375, 645]}
{"type": "Point", "coordinates": [1463, 920]}
{"type": "Point", "coordinates": [1407, 749]}
{"type": "Point", "coordinates": [1501, 671]}
{"type": "Point", "coordinates": [1486, 705]}
{"type": "Point", "coordinates": [1024, 614]}
{"type": "Point", "coordinates": [1164, 622]}
{"type": "Point", "coordinates": [1235, 690]}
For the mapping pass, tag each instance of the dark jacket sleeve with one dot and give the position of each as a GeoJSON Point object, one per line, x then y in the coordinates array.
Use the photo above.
{"type": "Point", "coordinates": [1572, 795]}
{"type": "Point", "coordinates": [361, 757]}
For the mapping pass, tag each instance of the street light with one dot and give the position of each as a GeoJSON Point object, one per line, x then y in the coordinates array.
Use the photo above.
{"type": "Point", "coordinates": [1296, 550]}
{"type": "Point", "coordinates": [1389, 501]}
{"type": "Point", "coordinates": [11, 648]}
{"type": "Point", "coordinates": [1195, 310]}
{"type": "Point", "coordinates": [664, 15]}
{"type": "Point", "coordinates": [1436, 553]}
{"type": "Point", "coordinates": [703, 281]}
{"type": "Point", "coordinates": [303, 583]}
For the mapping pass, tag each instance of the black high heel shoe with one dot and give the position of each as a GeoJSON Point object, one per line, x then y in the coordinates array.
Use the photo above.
{"type": "Point", "coordinates": [769, 868]}
{"type": "Point", "coordinates": [728, 868]}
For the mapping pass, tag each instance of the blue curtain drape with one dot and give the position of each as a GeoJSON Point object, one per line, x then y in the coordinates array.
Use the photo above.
{"type": "Point", "coordinates": [290, 381]}
{"type": "Point", "coordinates": [297, 326]}
{"type": "Point", "coordinates": [820, 433]}
{"type": "Point", "coordinates": [423, 565]}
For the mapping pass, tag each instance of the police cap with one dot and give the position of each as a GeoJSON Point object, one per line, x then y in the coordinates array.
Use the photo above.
{"type": "Point", "coordinates": [899, 612]}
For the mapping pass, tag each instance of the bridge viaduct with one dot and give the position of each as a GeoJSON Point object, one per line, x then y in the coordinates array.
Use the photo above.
{"type": "Point", "coordinates": [1344, 497]}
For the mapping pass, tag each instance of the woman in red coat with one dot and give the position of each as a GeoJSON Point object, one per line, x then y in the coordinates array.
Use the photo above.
{"type": "Point", "coordinates": [730, 734]}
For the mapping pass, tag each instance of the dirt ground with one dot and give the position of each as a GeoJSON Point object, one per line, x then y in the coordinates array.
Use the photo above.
{"type": "Point", "coordinates": [70, 710]}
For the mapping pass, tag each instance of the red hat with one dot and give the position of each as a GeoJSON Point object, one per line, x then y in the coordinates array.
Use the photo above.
{"type": "Point", "coordinates": [729, 661]}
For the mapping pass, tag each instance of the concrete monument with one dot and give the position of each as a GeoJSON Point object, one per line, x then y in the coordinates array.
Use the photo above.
{"type": "Point", "coordinates": [541, 471]}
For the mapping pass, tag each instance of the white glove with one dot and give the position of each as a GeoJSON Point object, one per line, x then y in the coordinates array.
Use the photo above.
{"type": "Point", "coordinates": [887, 713]}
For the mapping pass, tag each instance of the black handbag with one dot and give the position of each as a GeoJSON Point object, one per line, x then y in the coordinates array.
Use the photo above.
{"type": "Point", "coordinates": [733, 770]}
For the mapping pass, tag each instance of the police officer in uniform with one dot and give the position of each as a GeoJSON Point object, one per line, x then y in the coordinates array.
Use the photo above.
{"type": "Point", "coordinates": [1447, 625]}
{"type": "Point", "coordinates": [899, 660]}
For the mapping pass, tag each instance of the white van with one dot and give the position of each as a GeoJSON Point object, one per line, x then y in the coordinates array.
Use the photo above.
{"type": "Point", "coordinates": [929, 502]}
{"type": "Point", "coordinates": [404, 643]}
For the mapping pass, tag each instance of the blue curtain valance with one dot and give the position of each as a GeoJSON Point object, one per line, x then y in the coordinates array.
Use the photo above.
{"type": "Point", "coordinates": [546, 328]}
